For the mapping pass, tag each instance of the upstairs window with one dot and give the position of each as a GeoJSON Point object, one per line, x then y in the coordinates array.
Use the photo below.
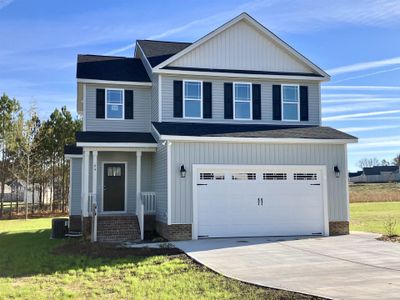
{"type": "Point", "coordinates": [242, 101]}
{"type": "Point", "coordinates": [192, 99]}
{"type": "Point", "coordinates": [290, 103]}
{"type": "Point", "coordinates": [115, 104]}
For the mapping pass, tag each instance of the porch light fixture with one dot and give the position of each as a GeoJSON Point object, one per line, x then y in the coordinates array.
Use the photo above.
{"type": "Point", "coordinates": [337, 171]}
{"type": "Point", "coordinates": [183, 171]}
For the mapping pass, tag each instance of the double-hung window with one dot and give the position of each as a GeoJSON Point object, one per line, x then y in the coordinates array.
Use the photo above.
{"type": "Point", "coordinates": [192, 99]}
{"type": "Point", "coordinates": [242, 101]}
{"type": "Point", "coordinates": [290, 103]}
{"type": "Point", "coordinates": [115, 104]}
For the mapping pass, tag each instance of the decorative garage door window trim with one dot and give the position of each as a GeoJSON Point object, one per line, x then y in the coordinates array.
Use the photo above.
{"type": "Point", "coordinates": [212, 176]}
{"type": "Point", "coordinates": [244, 176]}
{"type": "Point", "coordinates": [305, 176]}
{"type": "Point", "coordinates": [275, 176]}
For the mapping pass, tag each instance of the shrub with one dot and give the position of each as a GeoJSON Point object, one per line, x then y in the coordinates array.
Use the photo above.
{"type": "Point", "coordinates": [390, 225]}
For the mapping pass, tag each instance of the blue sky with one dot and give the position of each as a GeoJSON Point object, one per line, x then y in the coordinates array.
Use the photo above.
{"type": "Point", "coordinates": [357, 42]}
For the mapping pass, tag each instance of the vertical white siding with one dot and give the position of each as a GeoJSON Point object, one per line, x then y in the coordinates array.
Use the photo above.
{"type": "Point", "coordinates": [141, 111]}
{"type": "Point", "coordinates": [256, 154]}
{"type": "Point", "coordinates": [76, 184]}
{"type": "Point", "coordinates": [244, 48]}
{"type": "Point", "coordinates": [314, 99]}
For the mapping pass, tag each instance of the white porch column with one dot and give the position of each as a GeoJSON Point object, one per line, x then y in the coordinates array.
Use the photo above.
{"type": "Point", "coordinates": [94, 177]}
{"type": "Point", "coordinates": [85, 183]}
{"type": "Point", "coordinates": [139, 206]}
{"type": "Point", "coordinates": [94, 197]}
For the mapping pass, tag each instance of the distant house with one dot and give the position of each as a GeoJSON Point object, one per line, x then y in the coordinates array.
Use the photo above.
{"type": "Point", "coordinates": [15, 190]}
{"type": "Point", "coordinates": [376, 174]}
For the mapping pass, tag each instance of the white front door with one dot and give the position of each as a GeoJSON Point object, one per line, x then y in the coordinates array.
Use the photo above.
{"type": "Point", "coordinates": [260, 201]}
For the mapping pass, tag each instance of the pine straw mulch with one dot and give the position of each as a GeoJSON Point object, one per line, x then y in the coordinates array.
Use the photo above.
{"type": "Point", "coordinates": [391, 238]}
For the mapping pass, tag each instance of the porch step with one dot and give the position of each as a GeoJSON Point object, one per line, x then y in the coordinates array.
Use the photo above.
{"type": "Point", "coordinates": [117, 228]}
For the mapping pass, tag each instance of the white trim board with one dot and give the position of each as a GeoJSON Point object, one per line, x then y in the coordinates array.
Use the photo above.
{"type": "Point", "coordinates": [207, 167]}
{"type": "Point", "coordinates": [98, 81]}
{"type": "Point", "coordinates": [116, 145]}
{"type": "Point", "coordinates": [258, 26]}
{"type": "Point", "coordinates": [256, 140]}
{"type": "Point", "coordinates": [102, 212]}
{"type": "Point", "coordinates": [239, 75]}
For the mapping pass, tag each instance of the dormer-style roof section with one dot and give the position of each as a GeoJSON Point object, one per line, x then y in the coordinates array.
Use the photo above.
{"type": "Point", "coordinates": [157, 52]}
{"type": "Point", "coordinates": [111, 68]}
{"type": "Point", "coordinates": [241, 45]}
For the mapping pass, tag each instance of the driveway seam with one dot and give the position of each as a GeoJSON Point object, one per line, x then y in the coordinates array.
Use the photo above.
{"type": "Point", "coordinates": [342, 259]}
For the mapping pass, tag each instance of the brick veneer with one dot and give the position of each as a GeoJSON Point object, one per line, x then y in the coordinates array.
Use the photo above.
{"type": "Point", "coordinates": [117, 228]}
{"type": "Point", "coordinates": [338, 227]}
{"type": "Point", "coordinates": [174, 232]}
{"type": "Point", "coordinates": [75, 223]}
{"type": "Point", "coordinates": [86, 227]}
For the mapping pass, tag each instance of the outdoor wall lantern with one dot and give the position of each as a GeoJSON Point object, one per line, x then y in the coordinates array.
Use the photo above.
{"type": "Point", "coordinates": [337, 171]}
{"type": "Point", "coordinates": [183, 171]}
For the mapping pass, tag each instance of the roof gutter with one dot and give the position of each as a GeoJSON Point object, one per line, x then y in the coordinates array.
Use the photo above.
{"type": "Point", "coordinates": [218, 139]}
{"type": "Point", "coordinates": [98, 81]}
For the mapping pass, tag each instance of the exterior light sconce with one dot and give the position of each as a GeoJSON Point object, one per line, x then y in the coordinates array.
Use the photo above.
{"type": "Point", "coordinates": [337, 171]}
{"type": "Point", "coordinates": [183, 171]}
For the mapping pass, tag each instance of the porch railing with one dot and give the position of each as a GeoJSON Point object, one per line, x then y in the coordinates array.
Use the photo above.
{"type": "Point", "coordinates": [149, 202]}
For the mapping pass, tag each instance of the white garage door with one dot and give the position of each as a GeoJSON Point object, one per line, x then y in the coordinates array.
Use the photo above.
{"type": "Point", "coordinates": [260, 201]}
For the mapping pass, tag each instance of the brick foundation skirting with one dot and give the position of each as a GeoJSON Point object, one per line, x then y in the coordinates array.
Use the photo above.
{"type": "Point", "coordinates": [174, 232]}
{"type": "Point", "coordinates": [75, 223]}
{"type": "Point", "coordinates": [338, 227]}
{"type": "Point", "coordinates": [118, 228]}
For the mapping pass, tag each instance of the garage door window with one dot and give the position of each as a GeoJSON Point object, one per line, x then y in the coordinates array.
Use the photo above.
{"type": "Point", "coordinates": [212, 176]}
{"type": "Point", "coordinates": [305, 176]}
{"type": "Point", "coordinates": [274, 176]}
{"type": "Point", "coordinates": [244, 176]}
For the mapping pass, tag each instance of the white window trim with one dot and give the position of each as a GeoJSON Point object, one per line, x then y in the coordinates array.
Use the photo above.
{"type": "Point", "coordinates": [201, 99]}
{"type": "Point", "coordinates": [251, 101]}
{"type": "Point", "coordinates": [123, 103]}
{"type": "Point", "coordinates": [298, 102]}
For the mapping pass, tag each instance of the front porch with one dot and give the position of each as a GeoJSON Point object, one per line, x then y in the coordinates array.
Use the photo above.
{"type": "Point", "coordinates": [116, 192]}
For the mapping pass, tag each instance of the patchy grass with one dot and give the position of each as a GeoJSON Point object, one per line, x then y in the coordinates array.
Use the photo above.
{"type": "Point", "coordinates": [374, 192]}
{"type": "Point", "coordinates": [371, 217]}
{"type": "Point", "coordinates": [30, 269]}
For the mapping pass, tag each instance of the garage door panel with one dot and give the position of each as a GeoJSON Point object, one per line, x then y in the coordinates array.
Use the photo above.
{"type": "Point", "coordinates": [257, 202]}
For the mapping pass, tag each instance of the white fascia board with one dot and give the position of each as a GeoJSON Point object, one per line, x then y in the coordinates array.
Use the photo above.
{"type": "Point", "coordinates": [256, 140]}
{"type": "Point", "coordinates": [145, 57]}
{"type": "Point", "coordinates": [69, 156]}
{"type": "Point", "coordinates": [97, 81]}
{"type": "Point", "coordinates": [117, 145]}
{"type": "Point", "coordinates": [240, 75]}
{"type": "Point", "coordinates": [257, 25]}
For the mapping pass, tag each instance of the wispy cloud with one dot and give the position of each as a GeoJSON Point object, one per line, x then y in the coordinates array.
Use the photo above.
{"type": "Point", "coordinates": [378, 142]}
{"type": "Point", "coordinates": [353, 107]}
{"type": "Point", "coordinates": [389, 152]}
{"type": "Point", "coordinates": [357, 100]}
{"type": "Point", "coordinates": [367, 75]}
{"type": "Point", "coordinates": [365, 66]}
{"type": "Point", "coordinates": [361, 87]}
{"type": "Point", "coordinates": [368, 128]}
{"type": "Point", "coordinates": [352, 116]}
{"type": "Point", "coordinates": [4, 3]}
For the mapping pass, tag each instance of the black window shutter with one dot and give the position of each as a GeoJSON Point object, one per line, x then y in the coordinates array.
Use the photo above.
{"type": "Point", "coordinates": [256, 101]}
{"type": "Point", "coordinates": [228, 100]}
{"type": "Point", "coordinates": [100, 103]}
{"type": "Point", "coordinates": [207, 100]}
{"type": "Point", "coordinates": [178, 99]}
{"type": "Point", "coordinates": [303, 103]}
{"type": "Point", "coordinates": [128, 104]}
{"type": "Point", "coordinates": [276, 102]}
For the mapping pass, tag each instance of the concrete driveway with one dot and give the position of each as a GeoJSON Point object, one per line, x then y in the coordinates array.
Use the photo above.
{"type": "Point", "coordinates": [355, 266]}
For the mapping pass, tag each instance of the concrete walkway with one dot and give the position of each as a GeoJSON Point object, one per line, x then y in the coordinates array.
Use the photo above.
{"type": "Point", "coordinates": [355, 266]}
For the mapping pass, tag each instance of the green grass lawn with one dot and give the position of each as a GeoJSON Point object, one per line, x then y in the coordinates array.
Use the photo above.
{"type": "Point", "coordinates": [28, 269]}
{"type": "Point", "coordinates": [371, 216]}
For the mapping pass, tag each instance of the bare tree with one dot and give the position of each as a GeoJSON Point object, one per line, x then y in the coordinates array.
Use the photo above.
{"type": "Point", "coordinates": [368, 162]}
{"type": "Point", "coordinates": [396, 160]}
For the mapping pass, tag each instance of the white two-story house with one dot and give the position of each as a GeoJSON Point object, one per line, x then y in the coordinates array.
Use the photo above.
{"type": "Point", "coordinates": [217, 138]}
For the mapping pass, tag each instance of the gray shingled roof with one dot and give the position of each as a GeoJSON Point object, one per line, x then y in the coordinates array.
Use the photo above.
{"type": "Point", "coordinates": [113, 137]}
{"type": "Point", "coordinates": [159, 51]}
{"type": "Point", "coordinates": [113, 68]}
{"type": "Point", "coordinates": [378, 169]}
{"type": "Point", "coordinates": [249, 131]}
